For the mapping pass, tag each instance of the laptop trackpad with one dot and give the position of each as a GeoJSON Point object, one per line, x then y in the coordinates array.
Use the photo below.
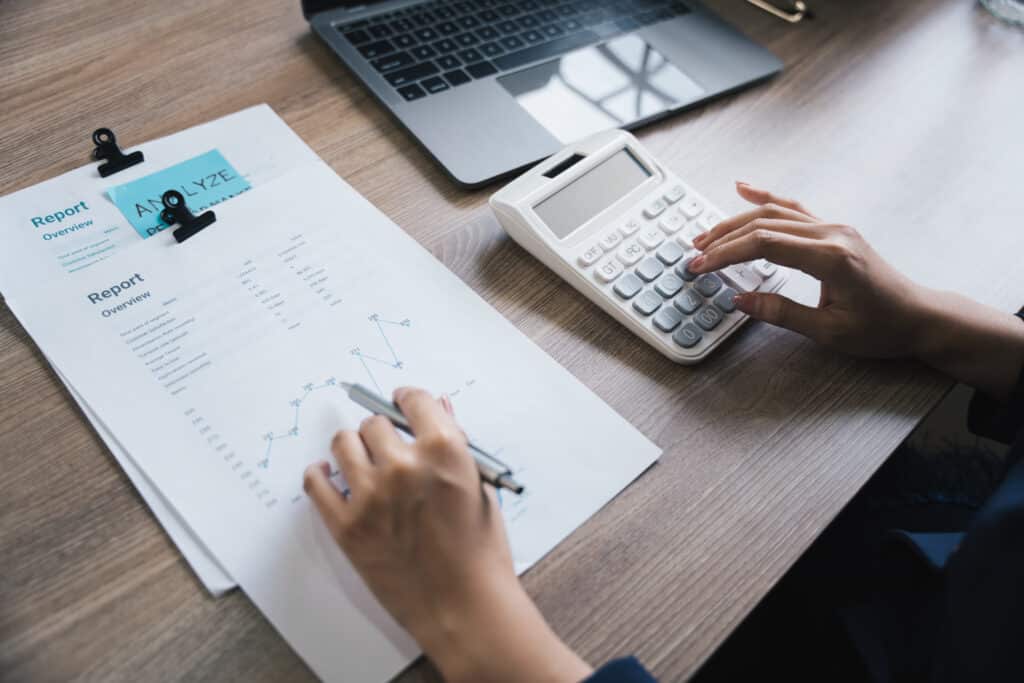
{"type": "Point", "coordinates": [603, 86]}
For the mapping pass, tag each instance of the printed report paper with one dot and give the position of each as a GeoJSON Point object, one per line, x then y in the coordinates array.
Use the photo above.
{"type": "Point", "coordinates": [56, 229]}
{"type": "Point", "coordinates": [229, 349]}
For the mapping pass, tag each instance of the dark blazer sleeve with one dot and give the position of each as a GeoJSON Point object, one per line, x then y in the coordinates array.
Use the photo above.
{"type": "Point", "coordinates": [999, 420]}
{"type": "Point", "coordinates": [625, 670]}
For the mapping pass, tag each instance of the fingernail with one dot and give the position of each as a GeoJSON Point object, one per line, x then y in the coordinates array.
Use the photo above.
{"type": "Point", "coordinates": [699, 240]}
{"type": "Point", "coordinates": [447, 404]}
{"type": "Point", "coordinates": [743, 182]}
{"type": "Point", "coordinates": [696, 263]}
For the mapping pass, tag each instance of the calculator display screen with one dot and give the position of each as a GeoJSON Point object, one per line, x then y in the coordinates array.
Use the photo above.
{"type": "Point", "coordinates": [592, 193]}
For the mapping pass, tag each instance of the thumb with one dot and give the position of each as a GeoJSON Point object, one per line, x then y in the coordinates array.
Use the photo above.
{"type": "Point", "coordinates": [782, 311]}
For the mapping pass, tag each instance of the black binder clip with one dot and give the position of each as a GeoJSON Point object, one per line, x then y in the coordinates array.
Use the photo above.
{"type": "Point", "coordinates": [106, 148]}
{"type": "Point", "coordinates": [175, 211]}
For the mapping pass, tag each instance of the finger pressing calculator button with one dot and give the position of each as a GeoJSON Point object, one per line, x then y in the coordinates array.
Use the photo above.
{"type": "Point", "coordinates": [765, 268]}
{"type": "Point", "coordinates": [655, 208]}
{"type": "Point", "coordinates": [630, 253]}
{"type": "Point", "coordinates": [610, 241]}
{"type": "Point", "coordinates": [687, 336]}
{"type": "Point", "coordinates": [689, 233]}
{"type": "Point", "coordinates": [669, 286]}
{"type": "Point", "coordinates": [670, 253]}
{"type": "Point", "coordinates": [675, 193]}
{"type": "Point", "coordinates": [591, 255]}
{"type": "Point", "coordinates": [724, 300]}
{"type": "Point", "coordinates": [688, 302]}
{"type": "Point", "coordinates": [649, 269]}
{"type": "Point", "coordinates": [684, 272]}
{"type": "Point", "coordinates": [672, 223]}
{"type": "Point", "coordinates": [668, 319]}
{"type": "Point", "coordinates": [628, 286]}
{"type": "Point", "coordinates": [647, 303]}
{"type": "Point", "coordinates": [651, 237]}
{"type": "Point", "coordinates": [608, 270]}
{"type": "Point", "coordinates": [708, 317]}
{"type": "Point", "coordinates": [691, 208]}
{"type": "Point", "coordinates": [709, 284]}
{"type": "Point", "coordinates": [630, 227]}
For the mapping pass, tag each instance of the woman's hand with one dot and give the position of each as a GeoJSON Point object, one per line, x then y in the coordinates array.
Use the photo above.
{"type": "Point", "coordinates": [429, 541]}
{"type": "Point", "coordinates": [867, 308]}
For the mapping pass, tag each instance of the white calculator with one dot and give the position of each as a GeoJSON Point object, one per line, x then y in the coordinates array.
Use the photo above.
{"type": "Point", "coordinates": [619, 227]}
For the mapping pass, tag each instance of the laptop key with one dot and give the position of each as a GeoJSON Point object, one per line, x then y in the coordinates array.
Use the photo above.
{"type": "Point", "coordinates": [404, 40]}
{"type": "Point", "coordinates": [393, 61]}
{"type": "Point", "coordinates": [380, 31]}
{"type": "Point", "coordinates": [457, 77]}
{"type": "Point", "coordinates": [491, 49]}
{"type": "Point", "coordinates": [411, 74]}
{"type": "Point", "coordinates": [512, 42]}
{"type": "Point", "coordinates": [553, 48]}
{"type": "Point", "coordinates": [481, 70]}
{"type": "Point", "coordinates": [376, 49]}
{"type": "Point", "coordinates": [471, 55]}
{"type": "Point", "coordinates": [448, 62]}
{"type": "Point", "coordinates": [446, 45]}
{"type": "Point", "coordinates": [411, 92]}
{"type": "Point", "coordinates": [532, 36]}
{"type": "Point", "coordinates": [424, 52]}
{"type": "Point", "coordinates": [466, 39]}
{"type": "Point", "coordinates": [447, 28]}
{"type": "Point", "coordinates": [434, 85]}
{"type": "Point", "coordinates": [427, 34]}
{"type": "Point", "coordinates": [357, 37]}
{"type": "Point", "coordinates": [488, 33]}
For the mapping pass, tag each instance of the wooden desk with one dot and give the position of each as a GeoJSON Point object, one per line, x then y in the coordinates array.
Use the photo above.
{"type": "Point", "coordinates": [900, 118]}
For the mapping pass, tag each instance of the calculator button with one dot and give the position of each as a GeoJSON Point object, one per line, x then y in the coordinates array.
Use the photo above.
{"type": "Point", "coordinates": [669, 286]}
{"type": "Point", "coordinates": [670, 253]}
{"type": "Point", "coordinates": [676, 193]}
{"type": "Point", "coordinates": [591, 255]}
{"type": "Point", "coordinates": [687, 336]}
{"type": "Point", "coordinates": [628, 286]}
{"type": "Point", "coordinates": [691, 208]}
{"type": "Point", "coordinates": [688, 302]}
{"type": "Point", "coordinates": [649, 269]}
{"type": "Point", "coordinates": [689, 233]}
{"type": "Point", "coordinates": [708, 284]}
{"type": "Point", "coordinates": [672, 223]}
{"type": "Point", "coordinates": [608, 270]}
{"type": "Point", "coordinates": [765, 268]}
{"type": "Point", "coordinates": [724, 300]}
{"type": "Point", "coordinates": [668, 319]}
{"type": "Point", "coordinates": [630, 227]}
{"type": "Point", "coordinates": [709, 220]}
{"type": "Point", "coordinates": [610, 241]}
{"type": "Point", "coordinates": [743, 277]}
{"type": "Point", "coordinates": [651, 237]}
{"type": "Point", "coordinates": [708, 317]}
{"type": "Point", "coordinates": [684, 272]}
{"type": "Point", "coordinates": [647, 303]}
{"type": "Point", "coordinates": [630, 252]}
{"type": "Point", "coordinates": [655, 208]}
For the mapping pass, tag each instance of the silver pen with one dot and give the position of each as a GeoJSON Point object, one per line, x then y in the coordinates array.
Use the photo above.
{"type": "Point", "coordinates": [493, 471]}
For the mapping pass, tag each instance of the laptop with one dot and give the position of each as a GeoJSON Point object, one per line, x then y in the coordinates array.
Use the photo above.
{"type": "Point", "coordinates": [492, 86]}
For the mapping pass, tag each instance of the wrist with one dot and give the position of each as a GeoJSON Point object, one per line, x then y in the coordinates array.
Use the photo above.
{"type": "Point", "coordinates": [496, 635]}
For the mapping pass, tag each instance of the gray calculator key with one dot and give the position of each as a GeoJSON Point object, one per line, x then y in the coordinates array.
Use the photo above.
{"type": "Point", "coordinates": [684, 272]}
{"type": "Point", "coordinates": [649, 269]}
{"type": "Point", "coordinates": [647, 303]}
{"type": "Point", "coordinates": [628, 286]}
{"type": "Point", "coordinates": [708, 317]}
{"type": "Point", "coordinates": [687, 336]}
{"type": "Point", "coordinates": [668, 319]}
{"type": "Point", "coordinates": [670, 252]}
{"type": "Point", "coordinates": [688, 302]}
{"type": "Point", "coordinates": [724, 300]}
{"type": "Point", "coordinates": [669, 285]}
{"type": "Point", "coordinates": [709, 284]}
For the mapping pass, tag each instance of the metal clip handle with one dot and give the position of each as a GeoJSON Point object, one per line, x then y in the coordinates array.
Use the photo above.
{"type": "Point", "coordinates": [798, 13]}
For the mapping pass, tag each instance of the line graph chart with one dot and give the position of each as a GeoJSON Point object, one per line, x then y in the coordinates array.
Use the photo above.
{"type": "Point", "coordinates": [394, 362]}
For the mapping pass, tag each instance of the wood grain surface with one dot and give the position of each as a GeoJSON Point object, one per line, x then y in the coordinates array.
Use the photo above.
{"type": "Point", "coordinates": [902, 118]}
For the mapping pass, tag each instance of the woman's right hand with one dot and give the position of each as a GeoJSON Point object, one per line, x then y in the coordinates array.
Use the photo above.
{"type": "Point", "coordinates": [867, 307]}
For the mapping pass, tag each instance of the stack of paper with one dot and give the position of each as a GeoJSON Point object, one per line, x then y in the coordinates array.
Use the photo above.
{"type": "Point", "coordinates": [228, 350]}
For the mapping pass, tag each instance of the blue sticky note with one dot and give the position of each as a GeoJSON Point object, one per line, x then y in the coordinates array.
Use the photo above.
{"type": "Point", "coordinates": [204, 180]}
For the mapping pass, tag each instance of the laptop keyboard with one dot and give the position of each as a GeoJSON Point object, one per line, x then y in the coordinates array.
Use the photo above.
{"type": "Point", "coordinates": [434, 46]}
